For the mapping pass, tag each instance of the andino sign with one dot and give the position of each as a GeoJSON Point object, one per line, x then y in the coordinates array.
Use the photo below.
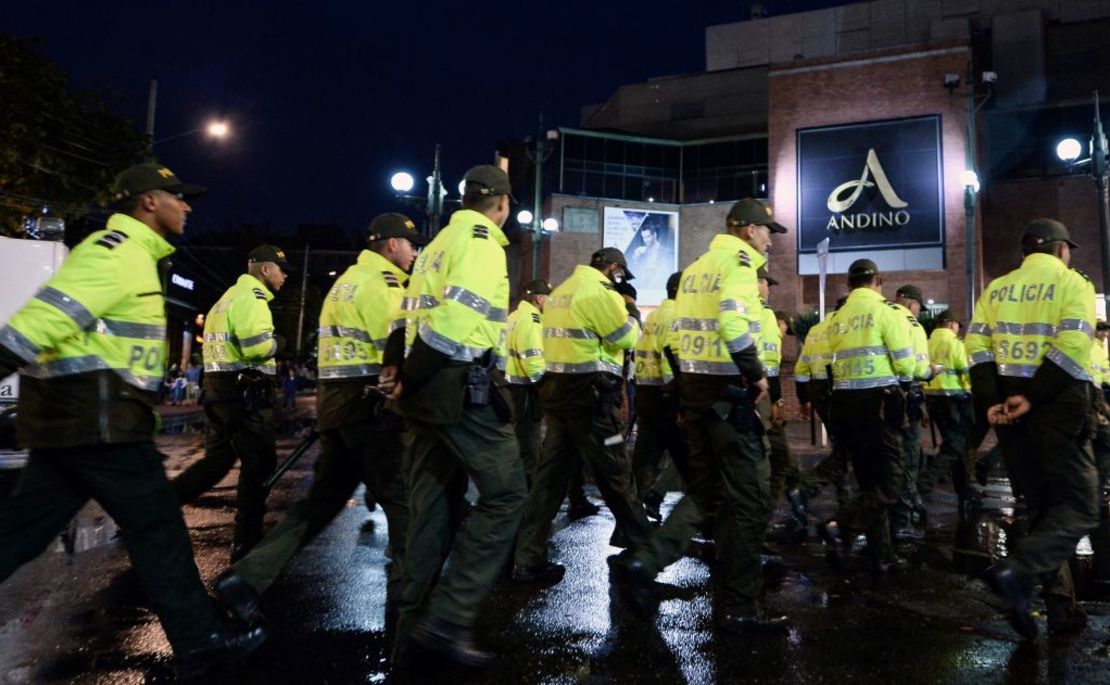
{"type": "Point", "coordinates": [872, 186]}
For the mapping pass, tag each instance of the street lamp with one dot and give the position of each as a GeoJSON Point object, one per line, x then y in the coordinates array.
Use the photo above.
{"type": "Point", "coordinates": [1068, 150]}
{"type": "Point", "coordinates": [970, 178]}
{"type": "Point", "coordinates": [543, 145]}
{"type": "Point", "coordinates": [217, 128]}
{"type": "Point", "coordinates": [551, 225]}
{"type": "Point", "coordinates": [403, 182]}
{"type": "Point", "coordinates": [524, 217]}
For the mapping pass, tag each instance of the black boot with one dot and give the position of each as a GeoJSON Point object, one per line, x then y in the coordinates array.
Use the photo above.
{"type": "Point", "coordinates": [225, 644]}
{"type": "Point", "coordinates": [451, 641]}
{"type": "Point", "coordinates": [1003, 579]}
{"type": "Point", "coordinates": [652, 501]}
{"type": "Point", "coordinates": [798, 507]}
{"type": "Point", "coordinates": [238, 597]}
{"type": "Point", "coordinates": [835, 553]}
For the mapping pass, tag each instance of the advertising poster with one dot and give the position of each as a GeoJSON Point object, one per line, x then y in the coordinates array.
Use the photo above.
{"type": "Point", "coordinates": [649, 241]}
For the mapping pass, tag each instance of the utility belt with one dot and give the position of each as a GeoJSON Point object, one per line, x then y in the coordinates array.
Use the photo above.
{"type": "Point", "coordinates": [485, 388]}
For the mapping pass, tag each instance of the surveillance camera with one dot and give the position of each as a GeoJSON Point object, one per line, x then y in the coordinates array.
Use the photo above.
{"type": "Point", "coordinates": [990, 77]}
{"type": "Point", "coordinates": [951, 81]}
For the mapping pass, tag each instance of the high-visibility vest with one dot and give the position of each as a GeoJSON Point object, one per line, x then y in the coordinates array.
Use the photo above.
{"type": "Point", "coordinates": [716, 307]}
{"type": "Point", "coordinates": [652, 367]}
{"type": "Point", "coordinates": [923, 368]}
{"type": "Point", "coordinates": [769, 340]}
{"type": "Point", "coordinates": [239, 330]}
{"type": "Point", "coordinates": [947, 352]}
{"type": "Point", "coordinates": [870, 342]}
{"type": "Point", "coordinates": [586, 326]}
{"type": "Point", "coordinates": [457, 301]}
{"type": "Point", "coordinates": [1041, 310]}
{"type": "Point", "coordinates": [525, 364]}
{"type": "Point", "coordinates": [815, 354]}
{"type": "Point", "coordinates": [357, 318]}
{"type": "Point", "coordinates": [103, 311]}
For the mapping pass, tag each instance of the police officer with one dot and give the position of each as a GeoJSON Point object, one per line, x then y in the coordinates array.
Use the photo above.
{"type": "Point", "coordinates": [452, 392]}
{"type": "Point", "coordinates": [908, 302]}
{"type": "Point", "coordinates": [1029, 347]}
{"type": "Point", "coordinates": [948, 400]}
{"type": "Point", "coordinates": [91, 345]}
{"type": "Point", "coordinates": [362, 439]}
{"type": "Point", "coordinates": [873, 357]}
{"type": "Point", "coordinates": [524, 370]}
{"type": "Point", "coordinates": [772, 406]}
{"type": "Point", "coordinates": [714, 354]}
{"type": "Point", "coordinates": [811, 383]}
{"type": "Point", "coordinates": [1100, 385]}
{"type": "Point", "coordinates": [239, 375]}
{"type": "Point", "coordinates": [586, 330]}
{"type": "Point", "coordinates": [657, 430]}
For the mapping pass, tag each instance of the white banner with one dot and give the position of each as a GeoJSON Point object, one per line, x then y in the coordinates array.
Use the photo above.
{"type": "Point", "coordinates": [649, 241]}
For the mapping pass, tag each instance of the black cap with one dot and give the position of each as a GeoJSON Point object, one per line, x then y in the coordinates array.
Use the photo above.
{"type": "Point", "coordinates": [1101, 325]}
{"type": "Point", "coordinates": [672, 284]}
{"type": "Point", "coordinates": [536, 287]}
{"type": "Point", "coordinates": [752, 211]}
{"type": "Point", "coordinates": [394, 225]}
{"type": "Point", "coordinates": [1042, 231]}
{"type": "Point", "coordinates": [612, 255]}
{"type": "Point", "coordinates": [911, 292]}
{"type": "Point", "coordinates": [946, 317]}
{"type": "Point", "coordinates": [486, 179]}
{"type": "Point", "coordinates": [863, 267]}
{"type": "Point", "coordinates": [269, 253]}
{"type": "Point", "coordinates": [762, 275]}
{"type": "Point", "coordinates": [143, 178]}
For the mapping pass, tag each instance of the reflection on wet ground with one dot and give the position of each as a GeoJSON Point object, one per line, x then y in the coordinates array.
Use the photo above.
{"type": "Point", "coordinates": [79, 617]}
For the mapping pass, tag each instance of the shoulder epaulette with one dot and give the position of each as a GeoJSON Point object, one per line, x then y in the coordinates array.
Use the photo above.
{"type": "Point", "coordinates": [536, 318]}
{"type": "Point", "coordinates": [1085, 276]}
{"type": "Point", "coordinates": [112, 239]}
{"type": "Point", "coordinates": [259, 294]}
{"type": "Point", "coordinates": [745, 259]}
{"type": "Point", "coordinates": [481, 232]}
{"type": "Point", "coordinates": [609, 285]}
{"type": "Point", "coordinates": [892, 305]}
{"type": "Point", "coordinates": [391, 279]}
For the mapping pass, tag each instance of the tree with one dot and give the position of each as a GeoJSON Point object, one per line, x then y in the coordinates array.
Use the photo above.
{"type": "Point", "coordinates": [61, 148]}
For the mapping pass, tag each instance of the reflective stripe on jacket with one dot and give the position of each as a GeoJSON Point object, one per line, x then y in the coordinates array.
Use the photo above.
{"type": "Point", "coordinates": [239, 330]}
{"type": "Point", "coordinates": [870, 342]}
{"type": "Point", "coordinates": [652, 367]}
{"type": "Point", "coordinates": [586, 327]}
{"type": "Point", "coordinates": [525, 364]}
{"type": "Point", "coordinates": [947, 352]}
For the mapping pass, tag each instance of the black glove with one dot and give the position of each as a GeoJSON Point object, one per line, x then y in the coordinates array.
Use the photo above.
{"type": "Point", "coordinates": [747, 360]}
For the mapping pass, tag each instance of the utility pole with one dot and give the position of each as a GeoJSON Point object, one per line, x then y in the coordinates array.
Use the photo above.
{"type": "Point", "coordinates": [151, 106]}
{"type": "Point", "coordinates": [435, 197]}
{"type": "Point", "coordinates": [304, 289]}
{"type": "Point", "coordinates": [543, 147]}
{"type": "Point", "coordinates": [1099, 162]}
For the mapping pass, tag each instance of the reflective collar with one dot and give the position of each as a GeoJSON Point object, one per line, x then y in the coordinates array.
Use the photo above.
{"type": "Point", "coordinates": [374, 262]}
{"type": "Point", "coordinates": [144, 235]}
{"type": "Point", "coordinates": [730, 243]}
{"type": "Point", "coordinates": [526, 308]}
{"type": "Point", "coordinates": [251, 283]}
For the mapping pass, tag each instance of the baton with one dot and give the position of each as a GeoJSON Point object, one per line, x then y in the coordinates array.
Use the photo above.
{"type": "Point", "coordinates": [308, 442]}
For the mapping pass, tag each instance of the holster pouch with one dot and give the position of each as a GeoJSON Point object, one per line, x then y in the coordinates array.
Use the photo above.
{"type": "Point", "coordinates": [915, 402]}
{"type": "Point", "coordinates": [477, 387]}
{"type": "Point", "coordinates": [484, 389]}
{"type": "Point", "coordinates": [743, 415]}
{"type": "Point", "coordinates": [256, 390]}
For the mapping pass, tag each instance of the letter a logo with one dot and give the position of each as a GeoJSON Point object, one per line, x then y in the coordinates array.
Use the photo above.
{"type": "Point", "coordinates": [871, 168]}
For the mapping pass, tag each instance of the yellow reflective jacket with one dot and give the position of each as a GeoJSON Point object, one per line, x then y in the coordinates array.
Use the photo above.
{"type": "Point", "coordinates": [923, 368]}
{"type": "Point", "coordinates": [458, 296]}
{"type": "Point", "coordinates": [586, 327]}
{"type": "Point", "coordinates": [239, 330]}
{"type": "Point", "coordinates": [652, 367]}
{"type": "Point", "coordinates": [947, 352]}
{"type": "Point", "coordinates": [525, 365]}
{"type": "Point", "coordinates": [815, 354]}
{"type": "Point", "coordinates": [716, 307]}
{"type": "Point", "coordinates": [356, 318]}
{"type": "Point", "coordinates": [1099, 364]}
{"type": "Point", "coordinates": [870, 343]}
{"type": "Point", "coordinates": [93, 337]}
{"type": "Point", "coordinates": [1041, 310]}
{"type": "Point", "coordinates": [769, 339]}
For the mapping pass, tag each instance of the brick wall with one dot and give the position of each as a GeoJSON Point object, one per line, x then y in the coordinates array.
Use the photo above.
{"type": "Point", "coordinates": [890, 84]}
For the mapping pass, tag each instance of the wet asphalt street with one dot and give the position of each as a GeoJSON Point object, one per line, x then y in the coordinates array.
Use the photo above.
{"type": "Point", "coordinates": [77, 615]}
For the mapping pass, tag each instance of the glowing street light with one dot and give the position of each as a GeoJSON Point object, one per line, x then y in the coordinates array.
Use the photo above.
{"type": "Point", "coordinates": [1069, 149]}
{"type": "Point", "coordinates": [524, 217]}
{"type": "Point", "coordinates": [402, 182]}
{"type": "Point", "coordinates": [218, 129]}
{"type": "Point", "coordinates": [550, 225]}
{"type": "Point", "coordinates": [462, 187]}
{"type": "Point", "coordinates": [970, 180]}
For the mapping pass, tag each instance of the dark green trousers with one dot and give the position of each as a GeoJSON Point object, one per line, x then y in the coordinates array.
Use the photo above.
{"type": "Point", "coordinates": [657, 434]}
{"type": "Point", "coordinates": [568, 440]}
{"type": "Point", "coordinates": [365, 453]}
{"type": "Point", "coordinates": [729, 478]}
{"type": "Point", "coordinates": [442, 457]}
{"type": "Point", "coordinates": [869, 423]}
{"type": "Point", "coordinates": [784, 467]}
{"type": "Point", "coordinates": [952, 417]}
{"type": "Point", "coordinates": [526, 423]}
{"type": "Point", "coordinates": [234, 434]}
{"type": "Point", "coordinates": [833, 469]}
{"type": "Point", "coordinates": [129, 481]}
{"type": "Point", "coordinates": [1049, 452]}
{"type": "Point", "coordinates": [902, 511]}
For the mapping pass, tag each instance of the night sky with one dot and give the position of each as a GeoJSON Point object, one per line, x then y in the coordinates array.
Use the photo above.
{"type": "Point", "coordinates": [327, 98]}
